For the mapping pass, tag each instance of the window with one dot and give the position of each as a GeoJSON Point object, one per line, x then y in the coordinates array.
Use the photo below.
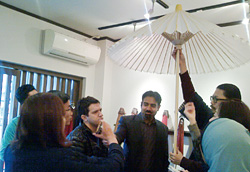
{"type": "Point", "coordinates": [12, 76]}
{"type": "Point", "coordinates": [8, 83]}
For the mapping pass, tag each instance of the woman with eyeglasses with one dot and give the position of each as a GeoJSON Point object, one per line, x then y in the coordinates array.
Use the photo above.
{"type": "Point", "coordinates": [41, 145]}
{"type": "Point", "coordinates": [68, 110]}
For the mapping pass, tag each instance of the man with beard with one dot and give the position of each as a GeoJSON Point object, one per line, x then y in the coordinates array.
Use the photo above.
{"type": "Point", "coordinates": [145, 138]}
{"type": "Point", "coordinates": [204, 114]}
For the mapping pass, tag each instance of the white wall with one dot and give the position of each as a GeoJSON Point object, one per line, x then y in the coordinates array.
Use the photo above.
{"type": "Point", "coordinates": [21, 43]}
{"type": "Point", "coordinates": [103, 82]}
{"type": "Point", "coordinates": [21, 39]}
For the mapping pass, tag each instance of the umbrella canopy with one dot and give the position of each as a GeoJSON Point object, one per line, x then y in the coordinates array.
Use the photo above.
{"type": "Point", "coordinates": [207, 47]}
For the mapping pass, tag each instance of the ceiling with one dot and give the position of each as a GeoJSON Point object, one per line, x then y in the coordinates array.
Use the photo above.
{"type": "Point", "coordinates": [122, 17]}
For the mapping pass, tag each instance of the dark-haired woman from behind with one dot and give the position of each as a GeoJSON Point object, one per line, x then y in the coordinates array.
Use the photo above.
{"type": "Point", "coordinates": [236, 110]}
{"type": "Point", "coordinates": [41, 145]}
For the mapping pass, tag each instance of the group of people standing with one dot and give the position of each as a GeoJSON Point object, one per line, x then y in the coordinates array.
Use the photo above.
{"type": "Point", "coordinates": [220, 134]}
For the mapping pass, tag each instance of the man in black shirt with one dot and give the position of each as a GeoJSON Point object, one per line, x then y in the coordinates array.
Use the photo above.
{"type": "Point", "coordinates": [145, 138]}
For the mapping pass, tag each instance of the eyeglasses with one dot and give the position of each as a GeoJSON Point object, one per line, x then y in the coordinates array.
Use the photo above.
{"type": "Point", "coordinates": [215, 99]}
{"type": "Point", "coordinates": [72, 106]}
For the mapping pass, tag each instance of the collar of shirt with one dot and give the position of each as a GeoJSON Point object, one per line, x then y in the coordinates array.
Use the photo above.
{"type": "Point", "coordinates": [142, 116]}
{"type": "Point", "coordinates": [90, 133]}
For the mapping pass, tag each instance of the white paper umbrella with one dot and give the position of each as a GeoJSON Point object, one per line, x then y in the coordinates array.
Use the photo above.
{"type": "Point", "coordinates": [210, 49]}
{"type": "Point", "coordinates": [207, 48]}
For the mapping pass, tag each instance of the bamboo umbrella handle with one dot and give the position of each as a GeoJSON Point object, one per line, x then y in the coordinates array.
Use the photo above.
{"type": "Point", "coordinates": [176, 98]}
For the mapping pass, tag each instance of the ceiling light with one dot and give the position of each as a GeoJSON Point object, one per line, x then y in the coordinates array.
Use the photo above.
{"type": "Point", "coordinates": [245, 21]}
{"type": "Point", "coordinates": [150, 11]}
{"type": "Point", "coordinates": [147, 15]}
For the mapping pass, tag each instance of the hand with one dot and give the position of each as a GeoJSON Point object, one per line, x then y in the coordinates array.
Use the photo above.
{"type": "Point", "coordinates": [105, 143]}
{"type": "Point", "coordinates": [176, 158]}
{"type": "Point", "coordinates": [190, 112]}
{"type": "Point", "coordinates": [181, 56]}
{"type": "Point", "coordinates": [182, 62]}
{"type": "Point", "coordinates": [213, 118]}
{"type": "Point", "coordinates": [106, 134]}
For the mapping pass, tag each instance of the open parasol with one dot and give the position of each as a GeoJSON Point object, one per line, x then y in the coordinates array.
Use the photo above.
{"type": "Point", "coordinates": [206, 46]}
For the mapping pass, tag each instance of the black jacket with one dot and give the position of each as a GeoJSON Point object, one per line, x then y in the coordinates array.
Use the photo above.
{"type": "Point", "coordinates": [53, 159]}
{"type": "Point", "coordinates": [129, 131]}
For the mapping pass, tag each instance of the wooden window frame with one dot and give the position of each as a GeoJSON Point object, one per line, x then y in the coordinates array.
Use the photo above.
{"type": "Point", "coordinates": [21, 80]}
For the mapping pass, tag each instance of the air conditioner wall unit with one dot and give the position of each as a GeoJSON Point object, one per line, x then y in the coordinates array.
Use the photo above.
{"type": "Point", "coordinates": [68, 48]}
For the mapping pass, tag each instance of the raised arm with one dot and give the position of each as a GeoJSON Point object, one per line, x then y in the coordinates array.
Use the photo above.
{"type": "Point", "coordinates": [186, 83]}
{"type": "Point", "coordinates": [203, 112]}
